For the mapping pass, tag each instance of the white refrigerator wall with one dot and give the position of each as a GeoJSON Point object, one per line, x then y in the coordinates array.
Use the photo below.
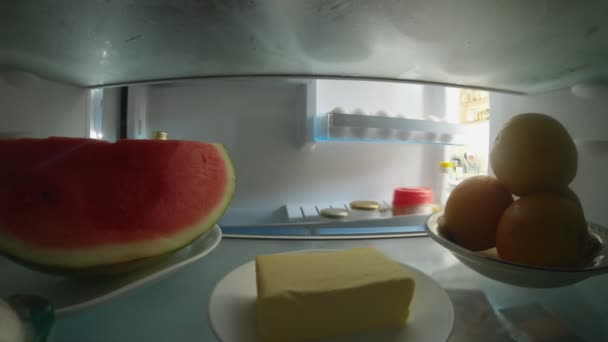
{"type": "Point", "coordinates": [34, 107]}
{"type": "Point", "coordinates": [111, 114]}
{"type": "Point", "coordinates": [587, 121]}
{"type": "Point", "coordinates": [260, 123]}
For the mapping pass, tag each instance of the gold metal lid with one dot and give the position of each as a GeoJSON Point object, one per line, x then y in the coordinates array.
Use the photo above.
{"type": "Point", "coordinates": [333, 212]}
{"type": "Point", "coordinates": [365, 205]}
{"type": "Point", "coordinates": [160, 135]}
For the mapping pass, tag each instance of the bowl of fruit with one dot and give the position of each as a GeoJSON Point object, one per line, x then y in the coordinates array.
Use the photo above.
{"type": "Point", "coordinates": [525, 226]}
{"type": "Point", "coordinates": [489, 263]}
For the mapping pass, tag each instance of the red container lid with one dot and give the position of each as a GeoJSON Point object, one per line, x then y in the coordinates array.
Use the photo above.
{"type": "Point", "coordinates": [409, 197]}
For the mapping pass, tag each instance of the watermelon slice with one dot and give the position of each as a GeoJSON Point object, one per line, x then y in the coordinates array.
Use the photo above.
{"type": "Point", "coordinates": [79, 203]}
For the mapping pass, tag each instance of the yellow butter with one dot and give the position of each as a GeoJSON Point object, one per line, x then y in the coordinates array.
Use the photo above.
{"type": "Point", "coordinates": [321, 294]}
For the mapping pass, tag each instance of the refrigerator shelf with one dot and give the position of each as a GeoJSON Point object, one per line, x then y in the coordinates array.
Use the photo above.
{"type": "Point", "coordinates": [362, 226]}
{"type": "Point", "coordinates": [370, 128]}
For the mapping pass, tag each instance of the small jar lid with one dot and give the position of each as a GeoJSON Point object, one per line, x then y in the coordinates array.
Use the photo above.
{"type": "Point", "coordinates": [365, 205]}
{"type": "Point", "coordinates": [160, 135]}
{"type": "Point", "coordinates": [333, 212]}
{"type": "Point", "coordinates": [406, 197]}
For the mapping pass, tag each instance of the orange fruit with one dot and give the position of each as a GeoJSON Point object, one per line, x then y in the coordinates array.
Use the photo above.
{"type": "Point", "coordinates": [534, 153]}
{"type": "Point", "coordinates": [542, 230]}
{"type": "Point", "coordinates": [571, 195]}
{"type": "Point", "coordinates": [473, 210]}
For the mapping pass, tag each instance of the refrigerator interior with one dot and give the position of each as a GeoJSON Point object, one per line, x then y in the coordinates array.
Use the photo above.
{"type": "Point", "coordinates": [239, 73]}
{"type": "Point", "coordinates": [263, 125]}
{"type": "Point", "coordinates": [266, 127]}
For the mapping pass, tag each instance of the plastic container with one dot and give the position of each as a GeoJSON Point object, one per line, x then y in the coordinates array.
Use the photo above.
{"type": "Point", "coordinates": [447, 171]}
{"type": "Point", "coordinates": [409, 201]}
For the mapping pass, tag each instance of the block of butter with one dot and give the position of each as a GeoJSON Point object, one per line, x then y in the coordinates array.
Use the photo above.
{"type": "Point", "coordinates": [312, 295]}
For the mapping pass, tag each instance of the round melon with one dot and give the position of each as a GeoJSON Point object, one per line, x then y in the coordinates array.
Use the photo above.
{"type": "Point", "coordinates": [80, 203]}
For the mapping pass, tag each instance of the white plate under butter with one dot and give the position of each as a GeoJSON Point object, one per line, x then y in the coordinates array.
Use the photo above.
{"type": "Point", "coordinates": [70, 295]}
{"type": "Point", "coordinates": [232, 310]}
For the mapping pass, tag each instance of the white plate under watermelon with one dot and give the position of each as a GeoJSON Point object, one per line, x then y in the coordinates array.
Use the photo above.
{"type": "Point", "coordinates": [69, 295]}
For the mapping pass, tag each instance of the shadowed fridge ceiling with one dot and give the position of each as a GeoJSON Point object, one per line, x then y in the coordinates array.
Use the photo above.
{"type": "Point", "coordinates": [519, 45]}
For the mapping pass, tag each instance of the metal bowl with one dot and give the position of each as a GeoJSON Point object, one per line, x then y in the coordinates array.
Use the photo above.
{"type": "Point", "coordinates": [488, 264]}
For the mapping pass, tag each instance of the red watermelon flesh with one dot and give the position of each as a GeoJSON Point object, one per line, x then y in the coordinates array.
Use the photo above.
{"type": "Point", "coordinates": [76, 203]}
